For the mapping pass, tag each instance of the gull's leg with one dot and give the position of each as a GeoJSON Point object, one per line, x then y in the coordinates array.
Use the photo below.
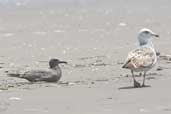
{"type": "Point", "coordinates": [136, 84]}
{"type": "Point", "coordinates": [140, 74]}
{"type": "Point", "coordinates": [143, 84]}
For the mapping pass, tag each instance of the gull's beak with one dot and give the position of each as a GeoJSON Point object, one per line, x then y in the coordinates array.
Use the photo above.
{"type": "Point", "coordinates": [63, 62]}
{"type": "Point", "coordinates": [154, 34]}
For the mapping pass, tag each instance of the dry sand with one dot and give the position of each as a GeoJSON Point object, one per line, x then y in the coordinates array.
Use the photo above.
{"type": "Point", "coordinates": [95, 40]}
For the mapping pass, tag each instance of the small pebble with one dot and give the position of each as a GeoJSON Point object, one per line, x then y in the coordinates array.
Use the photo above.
{"type": "Point", "coordinates": [92, 82]}
{"type": "Point", "coordinates": [109, 98]}
{"type": "Point", "coordinates": [122, 24]}
{"type": "Point", "coordinates": [14, 98]}
{"type": "Point", "coordinates": [143, 110]}
{"type": "Point", "coordinates": [159, 68]}
{"type": "Point", "coordinates": [71, 83]}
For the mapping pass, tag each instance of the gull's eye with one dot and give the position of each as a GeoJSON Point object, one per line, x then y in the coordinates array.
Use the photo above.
{"type": "Point", "coordinates": [146, 32]}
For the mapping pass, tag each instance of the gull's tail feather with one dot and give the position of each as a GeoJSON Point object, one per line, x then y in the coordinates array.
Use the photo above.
{"type": "Point", "coordinates": [124, 66]}
{"type": "Point", "coordinates": [127, 64]}
{"type": "Point", "coordinates": [14, 74]}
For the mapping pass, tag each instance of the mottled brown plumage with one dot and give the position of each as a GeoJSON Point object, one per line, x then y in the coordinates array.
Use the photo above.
{"type": "Point", "coordinates": [143, 58]}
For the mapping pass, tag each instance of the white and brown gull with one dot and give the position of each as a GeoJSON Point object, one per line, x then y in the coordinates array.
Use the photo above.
{"type": "Point", "coordinates": [143, 58]}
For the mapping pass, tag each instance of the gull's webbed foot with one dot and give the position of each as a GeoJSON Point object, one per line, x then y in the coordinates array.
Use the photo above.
{"type": "Point", "coordinates": [137, 84]}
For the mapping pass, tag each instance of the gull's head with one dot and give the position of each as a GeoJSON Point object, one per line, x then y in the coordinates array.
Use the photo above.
{"type": "Point", "coordinates": [55, 62]}
{"type": "Point", "coordinates": [145, 35]}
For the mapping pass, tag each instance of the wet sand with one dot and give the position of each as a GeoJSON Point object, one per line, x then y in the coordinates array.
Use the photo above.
{"type": "Point", "coordinates": [89, 99]}
{"type": "Point", "coordinates": [95, 40]}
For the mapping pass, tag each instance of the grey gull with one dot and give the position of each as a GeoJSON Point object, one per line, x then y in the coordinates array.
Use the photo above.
{"type": "Point", "coordinates": [53, 74]}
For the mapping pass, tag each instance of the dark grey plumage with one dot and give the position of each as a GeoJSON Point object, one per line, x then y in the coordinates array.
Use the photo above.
{"type": "Point", "coordinates": [53, 74]}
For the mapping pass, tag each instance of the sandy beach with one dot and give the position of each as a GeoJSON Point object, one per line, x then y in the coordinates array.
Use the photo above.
{"type": "Point", "coordinates": [94, 37]}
